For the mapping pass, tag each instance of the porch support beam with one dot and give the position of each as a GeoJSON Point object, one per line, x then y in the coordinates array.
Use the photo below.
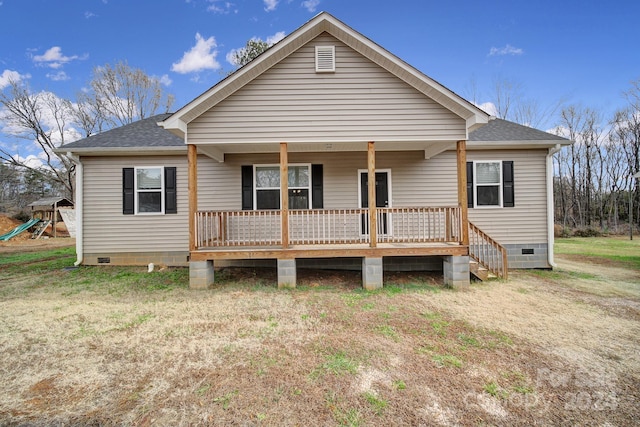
{"type": "Point", "coordinates": [192, 161]}
{"type": "Point", "coordinates": [284, 186]}
{"type": "Point", "coordinates": [461, 153]}
{"type": "Point", "coordinates": [371, 174]}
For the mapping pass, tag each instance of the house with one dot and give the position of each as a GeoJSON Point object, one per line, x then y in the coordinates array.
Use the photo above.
{"type": "Point", "coordinates": [324, 150]}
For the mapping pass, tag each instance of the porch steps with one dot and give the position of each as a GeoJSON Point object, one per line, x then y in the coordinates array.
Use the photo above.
{"type": "Point", "coordinates": [40, 229]}
{"type": "Point", "coordinates": [479, 272]}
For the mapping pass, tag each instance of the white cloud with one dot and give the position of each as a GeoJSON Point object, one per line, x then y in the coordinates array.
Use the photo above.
{"type": "Point", "coordinates": [311, 5]}
{"type": "Point", "coordinates": [275, 38]}
{"type": "Point", "coordinates": [58, 77]}
{"type": "Point", "coordinates": [507, 50]}
{"type": "Point", "coordinates": [270, 5]}
{"type": "Point", "coordinates": [9, 76]}
{"type": "Point", "coordinates": [29, 161]}
{"type": "Point", "coordinates": [201, 57]}
{"type": "Point", "coordinates": [488, 107]}
{"type": "Point", "coordinates": [54, 58]}
{"type": "Point", "coordinates": [224, 8]}
{"type": "Point", "coordinates": [165, 80]}
{"type": "Point", "coordinates": [88, 15]}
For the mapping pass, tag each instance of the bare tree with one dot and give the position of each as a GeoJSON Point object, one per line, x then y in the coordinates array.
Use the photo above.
{"type": "Point", "coordinates": [122, 94]}
{"type": "Point", "coordinates": [42, 118]}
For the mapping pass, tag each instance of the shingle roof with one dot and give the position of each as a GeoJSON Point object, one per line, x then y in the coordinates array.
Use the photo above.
{"type": "Point", "coordinates": [503, 130]}
{"type": "Point", "coordinates": [143, 133]}
{"type": "Point", "coordinates": [50, 201]}
{"type": "Point", "coordinates": [147, 134]}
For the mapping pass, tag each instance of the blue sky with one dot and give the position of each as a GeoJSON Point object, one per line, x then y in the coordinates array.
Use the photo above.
{"type": "Point", "coordinates": [585, 52]}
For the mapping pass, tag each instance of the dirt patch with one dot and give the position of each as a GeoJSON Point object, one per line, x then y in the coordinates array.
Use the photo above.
{"type": "Point", "coordinates": [24, 243]}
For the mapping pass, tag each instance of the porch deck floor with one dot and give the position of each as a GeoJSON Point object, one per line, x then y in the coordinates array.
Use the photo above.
{"type": "Point", "coordinates": [330, 251]}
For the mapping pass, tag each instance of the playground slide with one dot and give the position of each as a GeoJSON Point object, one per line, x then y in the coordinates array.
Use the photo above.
{"type": "Point", "coordinates": [19, 229]}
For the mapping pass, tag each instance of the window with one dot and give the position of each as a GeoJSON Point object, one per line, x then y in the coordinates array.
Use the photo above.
{"type": "Point", "coordinates": [267, 187]}
{"type": "Point", "coordinates": [149, 190]}
{"type": "Point", "coordinates": [490, 184]}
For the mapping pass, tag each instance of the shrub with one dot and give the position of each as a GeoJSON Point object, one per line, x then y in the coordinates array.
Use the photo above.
{"type": "Point", "coordinates": [22, 216]}
{"type": "Point", "coordinates": [587, 232]}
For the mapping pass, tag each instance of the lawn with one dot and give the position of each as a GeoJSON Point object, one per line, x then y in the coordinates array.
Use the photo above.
{"type": "Point", "coordinates": [116, 345]}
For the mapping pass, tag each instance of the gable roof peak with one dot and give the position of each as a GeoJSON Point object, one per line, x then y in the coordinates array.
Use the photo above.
{"type": "Point", "coordinates": [325, 22]}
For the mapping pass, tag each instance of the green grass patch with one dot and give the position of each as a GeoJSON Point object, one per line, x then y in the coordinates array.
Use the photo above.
{"type": "Point", "coordinates": [447, 361]}
{"type": "Point", "coordinates": [377, 404]}
{"type": "Point", "coordinates": [617, 249]}
{"type": "Point", "coordinates": [389, 332]}
{"type": "Point", "coordinates": [338, 363]}
{"type": "Point", "coordinates": [30, 257]}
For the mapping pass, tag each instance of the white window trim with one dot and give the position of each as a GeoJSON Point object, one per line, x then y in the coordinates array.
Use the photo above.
{"type": "Point", "coordinates": [136, 191]}
{"type": "Point", "coordinates": [271, 165]}
{"type": "Point", "coordinates": [476, 185]}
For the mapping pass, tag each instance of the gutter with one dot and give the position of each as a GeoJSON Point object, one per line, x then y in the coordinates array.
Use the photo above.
{"type": "Point", "coordinates": [550, 206]}
{"type": "Point", "coordinates": [79, 207]}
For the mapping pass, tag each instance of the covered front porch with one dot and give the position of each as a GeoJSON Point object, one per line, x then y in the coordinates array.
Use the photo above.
{"type": "Point", "coordinates": [371, 232]}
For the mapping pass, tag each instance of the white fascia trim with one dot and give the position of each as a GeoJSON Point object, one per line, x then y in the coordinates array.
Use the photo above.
{"type": "Point", "coordinates": [126, 151]}
{"type": "Point", "coordinates": [174, 125]}
{"type": "Point", "coordinates": [520, 144]}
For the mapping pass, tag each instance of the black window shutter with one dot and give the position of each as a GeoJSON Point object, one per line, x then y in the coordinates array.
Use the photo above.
{"type": "Point", "coordinates": [470, 184]}
{"type": "Point", "coordinates": [247, 188]}
{"type": "Point", "coordinates": [316, 187]}
{"type": "Point", "coordinates": [508, 199]}
{"type": "Point", "coordinates": [170, 191]}
{"type": "Point", "coordinates": [128, 191]}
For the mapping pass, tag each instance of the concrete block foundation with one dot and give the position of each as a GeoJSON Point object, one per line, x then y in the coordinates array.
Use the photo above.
{"type": "Point", "coordinates": [372, 273]}
{"type": "Point", "coordinates": [201, 274]}
{"type": "Point", "coordinates": [286, 273]}
{"type": "Point", "coordinates": [456, 271]}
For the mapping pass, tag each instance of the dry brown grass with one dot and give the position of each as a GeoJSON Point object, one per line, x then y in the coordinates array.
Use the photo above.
{"type": "Point", "coordinates": [543, 348]}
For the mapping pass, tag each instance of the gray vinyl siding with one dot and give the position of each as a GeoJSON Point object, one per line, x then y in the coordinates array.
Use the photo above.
{"type": "Point", "coordinates": [414, 182]}
{"type": "Point", "coordinates": [527, 221]}
{"type": "Point", "coordinates": [107, 230]}
{"type": "Point", "coordinates": [359, 102]}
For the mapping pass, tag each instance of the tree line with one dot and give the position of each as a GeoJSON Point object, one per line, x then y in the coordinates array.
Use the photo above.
{"type": "Point", "coordinates": [594, 187]}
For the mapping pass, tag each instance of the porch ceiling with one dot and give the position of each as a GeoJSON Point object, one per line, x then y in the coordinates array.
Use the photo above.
{"type": "Point", "coordinates": [430, 148]}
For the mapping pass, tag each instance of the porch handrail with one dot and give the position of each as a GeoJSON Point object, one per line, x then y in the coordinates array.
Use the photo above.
{"type": "Point", "coordinates": [487, 252]}
{"type": "Point", "coordinates": [328, 226]}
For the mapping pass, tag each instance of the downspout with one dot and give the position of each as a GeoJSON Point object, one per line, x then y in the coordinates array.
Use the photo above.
{"type": "Point", "coordinates": [550, 206]}
{"type": "Point", "coordinates": [78, 207]}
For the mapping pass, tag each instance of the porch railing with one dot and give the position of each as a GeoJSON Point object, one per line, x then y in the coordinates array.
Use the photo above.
{"type": "Point", "coordinates": [327, 226]}
{"type": "Point", "coordinates": [487, 252]}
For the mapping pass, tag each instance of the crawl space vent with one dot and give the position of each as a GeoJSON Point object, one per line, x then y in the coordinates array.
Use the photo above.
{"type": "Point", "coordinates": [527, 251]}
{"type": "Point", "coordinates": [325, 59]}
{"type": "Point", "coordinates": [104, 260]}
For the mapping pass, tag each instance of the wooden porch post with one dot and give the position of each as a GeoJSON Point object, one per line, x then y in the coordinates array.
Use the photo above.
{"type": "Point", "coordinates": [373, 217]}
{"type": "Point", "coordinates": [461, 152]}
{"type": "Point", "coordinates": [192, 160]}
{"type": "Point", "coordinates": [284, 188]}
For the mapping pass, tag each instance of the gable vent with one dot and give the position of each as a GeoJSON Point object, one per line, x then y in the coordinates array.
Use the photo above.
{"type": "Point", "coordinates": [325, 59]}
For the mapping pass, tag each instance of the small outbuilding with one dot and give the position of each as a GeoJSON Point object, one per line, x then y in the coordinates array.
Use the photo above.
{"type": "Point", "coordinates": [48, 210]}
